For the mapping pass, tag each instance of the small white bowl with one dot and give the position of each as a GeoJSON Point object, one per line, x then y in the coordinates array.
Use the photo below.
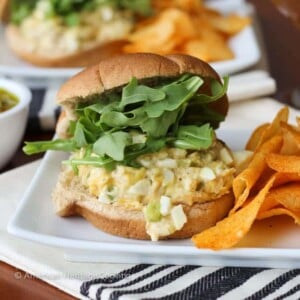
{"type": "Point", "coordinates": [13, 121]}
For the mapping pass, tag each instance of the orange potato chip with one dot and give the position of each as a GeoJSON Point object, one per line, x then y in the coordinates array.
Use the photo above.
{"type": "Point", "coordinates": [230, 24]}
{"type": "Point", "coordinates": [287, 195]}
{"type": "Point", "coordinates": [282, 178]}
{"type": "Point", "coordinates": [298, 121]}
{"type": "Point", "coordinates": [291, 142]}
{"type": "Point", "coordinates": [275, 127]}
{"type": "Point", "coordinates": [283, 163]}
{"type": "Point", "coordinates": [256, 136]}
{"type": "Point", "coordinates": [185, 26]}
{"type": "Point", "coordinates": [279, 211]}
{"type": "Point", "coordinates": [231, 230]}
{"type": "Point", "coordinates": [243, 183]}
{"type": "Point", "coordinates": [191, 6]}
{"type": "Point", "coordinates": [208, 48]}
{"type": "Point", "coordinates": [163, 34]}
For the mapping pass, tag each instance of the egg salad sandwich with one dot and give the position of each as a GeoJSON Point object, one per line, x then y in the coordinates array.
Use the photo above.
{"type": "Point", "coordinates": [145, 160]}
{"type": "Point", "coordinates": [70, 33]}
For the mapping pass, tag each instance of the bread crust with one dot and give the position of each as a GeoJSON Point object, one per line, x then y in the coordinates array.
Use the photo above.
{"type": "Point", "coordinates": [117, 220]}
{"type": "Point", "coordinates": [80, 58]}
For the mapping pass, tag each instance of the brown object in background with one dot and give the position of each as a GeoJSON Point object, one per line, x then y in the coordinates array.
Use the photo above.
{"type": "Point", "coordinates": [290, 9]}
{"type": "Point", "coordinates": [282, 41]}
{"type": "Point", "coordinates": [17, 284]}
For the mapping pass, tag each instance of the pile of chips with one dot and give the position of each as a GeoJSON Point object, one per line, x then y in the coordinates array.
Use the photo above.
{"type": "Point", "coordinates": [186, 26]}
{"type": "Point", "coordinates": [268, 186]}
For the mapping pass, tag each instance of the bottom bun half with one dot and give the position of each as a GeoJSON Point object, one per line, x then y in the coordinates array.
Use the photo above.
{"type": "Point", "coordinates": [71, 198]}
{"type": "Point", "coordinates": [81, 58]}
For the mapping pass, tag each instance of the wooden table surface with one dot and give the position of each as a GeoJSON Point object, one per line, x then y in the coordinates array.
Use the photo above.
{"type": "Point", "coordinates": [282, 43]}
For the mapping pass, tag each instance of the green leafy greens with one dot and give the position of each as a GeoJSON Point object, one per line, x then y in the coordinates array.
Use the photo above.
{"type": "Point", "coordinates": [69, 9]}
{"type": "Point", "coordinates": [171, 114]}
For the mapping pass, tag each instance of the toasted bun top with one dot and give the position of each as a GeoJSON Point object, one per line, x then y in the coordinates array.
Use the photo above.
{"type": "Point", "coordinates": [117, 71]}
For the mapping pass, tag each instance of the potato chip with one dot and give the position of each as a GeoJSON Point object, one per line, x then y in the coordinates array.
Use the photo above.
{"type": "Point", "coordinates": [279, 211]}
{"type": "Point", "coordinates": [209, 48]}
{"type": "Point", "coordinates": [185, 26]}
{"type": "Point", "coordinates": [283, 163]}
{"type": "Point", "coordinates": [230, 24]}
{"type": "Point", "coordinates": [287, 196]}
{"type": "Point", "coordinates": [163, 33]}
{"type": "Point", "coordinates": [291, 143]}
{"type": "Point", "coordinates": [268, 186]}
{"type": "Point", "coordinates": [243, 183]}
{"type": "Point", "coordinates": [275, 127]}
{"type": "Point", "coordinates": [231, 230]}
{"type": "Point", "coordinates": [256, 137]}
{"type": "Point", "coordinates": [282, 178]}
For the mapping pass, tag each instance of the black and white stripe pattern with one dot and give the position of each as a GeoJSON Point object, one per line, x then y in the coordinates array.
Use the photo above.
{"type": "Point", "coordinates": [171, 282]}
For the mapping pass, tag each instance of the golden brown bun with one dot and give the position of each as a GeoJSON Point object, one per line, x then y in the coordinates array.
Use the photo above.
{"type": "Point", "coordinates": [80, 58]}
{"type": "Point", "coordinates": [117, 71]}
{"type": "Point", "coordinates": [70, 198]}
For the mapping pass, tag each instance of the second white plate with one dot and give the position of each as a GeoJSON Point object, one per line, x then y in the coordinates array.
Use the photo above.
{"type": "Point", "coordinates": [244, 45]}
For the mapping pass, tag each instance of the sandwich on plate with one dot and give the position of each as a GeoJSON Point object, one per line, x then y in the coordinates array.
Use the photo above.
{"type": "Point", "coordinates": [54, 33]}
{"type": "Point", "coordinates": [145, 160]}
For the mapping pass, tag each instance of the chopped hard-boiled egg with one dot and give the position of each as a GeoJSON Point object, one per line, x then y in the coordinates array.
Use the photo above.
{"type": "Point", "coordinates": [178, 217]}
{"type": "Point", "coordinates": [207, 174]}
{"type": "Point", "coordinates": [166, 180]}
{"type": "Point", "coordinates": [165, 205]}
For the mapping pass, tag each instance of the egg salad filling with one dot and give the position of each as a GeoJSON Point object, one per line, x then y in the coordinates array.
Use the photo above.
{"type": "Point", "coordinates": [149, 147]}
{"type": "Point", "coordinates": [166, 182]}
{"type": "Point", "coordinates": [65, 27]}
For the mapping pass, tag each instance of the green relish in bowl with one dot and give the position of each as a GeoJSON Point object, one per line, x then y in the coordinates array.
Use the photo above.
{"type": "Point", "coordinates": [7, 100]}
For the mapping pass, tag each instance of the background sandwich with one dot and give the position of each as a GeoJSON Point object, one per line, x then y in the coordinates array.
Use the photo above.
{"type": "Point", "coordinates": [145, 160]}
{"type": "Point", "coordinates": [71, 33]}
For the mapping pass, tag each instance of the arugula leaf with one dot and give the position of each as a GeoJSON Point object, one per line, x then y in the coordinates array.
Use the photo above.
{"type": "Point", "coordinates": [177, 93]}
{"type": "Point", "coordinates": [107, 162]}
{"type": "Point", "coordinates": [42, 146]}
{"type": "Point", "coordinates": [72, 19]}
{"type": "Point", "coordinates": [218, 90]}
{"type": "Point", "coordinates": [19, 10]}
{"type": "Point", "coordinates": [133, 151]}
{"type": "Point", "coordinates": [119, 119]}
{"type": "Point", "coordinates": [69, 10]}
{"type": "Point", "coordinates": [194, 137]}
{"type": "Point", "coordinates": [171, 114]}
{"type": "Point", "coordinates": [134, 93]}
{"type": "Point", "coordinates": [113, 144]}
{"type": "Point", "coordinates": [158, 127]}
{"type": "Point", "coordinates": [79, 135]}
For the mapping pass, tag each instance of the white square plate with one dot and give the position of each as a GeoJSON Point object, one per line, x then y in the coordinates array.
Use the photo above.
{"type": "Point", "coordinates": [244, 45]}
{"type": "Point", "coordinates": [271, 243]}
